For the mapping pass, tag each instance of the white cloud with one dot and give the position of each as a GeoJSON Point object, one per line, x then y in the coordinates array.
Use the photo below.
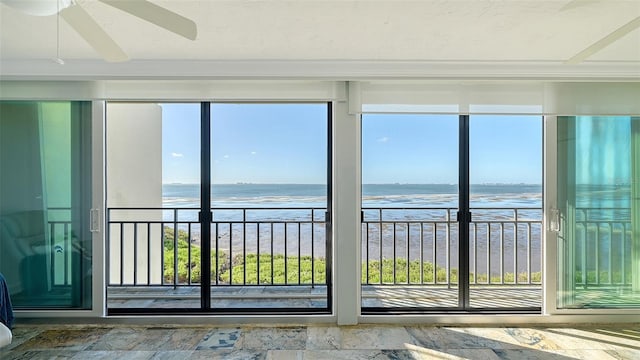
{"type": "Point", "coordinates": [253, 153]}
{"type": "Point", "coordinates": [383, 139]}
{"type": "Point", "coordinates": [226, 156]}
{"type": "Point", "coordinates": [176, 154]}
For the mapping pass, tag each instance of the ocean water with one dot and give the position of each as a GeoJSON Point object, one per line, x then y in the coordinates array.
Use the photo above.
{"type": "Point", "coordinates": [431, 204]}
{"type": "Point", "coordinates": [373, 195]}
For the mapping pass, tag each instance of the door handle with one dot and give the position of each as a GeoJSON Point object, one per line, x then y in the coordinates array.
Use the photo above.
{"type": "Point", "coordinates": [94, 220]}
{"type": "Point", "coordinates": [554, 220]}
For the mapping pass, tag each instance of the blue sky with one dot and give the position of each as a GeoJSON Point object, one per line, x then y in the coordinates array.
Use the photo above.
{"type": "Point", "coordinates": [287, 143]}
{"type": "Point", "coordinates": [255, 143]}
{"type": "Point", "coordinates": [424, 149]}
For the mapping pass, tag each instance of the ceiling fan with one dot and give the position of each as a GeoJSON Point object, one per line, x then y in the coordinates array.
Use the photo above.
{"type": "Point", "coordinates": [605, 41]}
{"type": "Point", "coordinates": [80, 20]}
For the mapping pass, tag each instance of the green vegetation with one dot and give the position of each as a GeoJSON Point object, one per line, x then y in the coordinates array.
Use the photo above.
{"type": "Point", "coordinates": [616, 277]}
{"type": "Point", "coordinates": [237, 270]}
{"type": "Point", "coordinates": [428, 273]}
{"type": "Point", "coordinates": [305, 265]}
{"type": "Point", "coordinates": [183, 258]}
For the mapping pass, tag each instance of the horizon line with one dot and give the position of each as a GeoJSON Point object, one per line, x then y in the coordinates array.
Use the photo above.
{"type": "Point", "coordinates": [395, 183]}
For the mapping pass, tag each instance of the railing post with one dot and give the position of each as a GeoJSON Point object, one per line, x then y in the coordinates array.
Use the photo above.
{"type": "Point", "coordinates": [52, 232]}
{"type": "Point", "coordinates": [584, 249]}
{"type": "Point", "coordinates": [189, 254]}
{"type": "Point", "coordinates": [380, 239]}
{"type": "Point", "coordinates": [529, 252]}
{"type": "Point", "coordinates": [286, 256]}
{"type": "Point", "coordinates": [365, 226]}
{"type": "Point", "coordinates": [610, 272]}
{"type": "Point", "coordinates": [244, 246]}
{"type": "Point", "coordinates": [217, 253]}
{"type": "Point", "coordinates": [107, 253]}
{"type": "Point", "coordinates": [121, 253]}
{"type": "Point", "coordinates": [515, 247]}
{"type": "Point", "coordinates": [135, 253]}
{"type": "Point", "coordinates": [313, 264]}
{"type": "Point", "coordinates": [175, 248]}
{"type": "Point", "coordinates": [488, 253]}
{"type": "Point", "coordinates": [448, 247]}
{"type": "Point", "coordinates": [299, 253]}
{"type": "Point", "coordinates": [148, 253]}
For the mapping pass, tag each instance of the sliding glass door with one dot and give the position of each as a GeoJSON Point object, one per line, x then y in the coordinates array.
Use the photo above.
{"type": "Point", "coordinates": [451, 213]}
{"type": "Point", "coordinates": [153, 200]}
{"type": "Point", "coordinates": [410, 201]}
{"type": "Point", "coordinates": [598, 177]}
{"type": "Point", "coordinates": [270, 194]}
{"type": "Point", "coordinates": [45, 202]}
{"type": "Point", "coordinates": [505, 235]}
{"type": "Point", "coordinates": [218, 207]}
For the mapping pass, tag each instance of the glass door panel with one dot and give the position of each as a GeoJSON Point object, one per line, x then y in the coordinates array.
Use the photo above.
{"type": "Point", "coordinates": [45, 199]}
{"type": "Point", "coordinates": [505, 235]}
{"type": "Point", "coordinates": [598, 191]}
{"type": "Point", "coordinates": [270, 193]}
{"type": "Point", "coordinates": [153, 200]}
{"type": "Point", "coordinates": [409, 203]}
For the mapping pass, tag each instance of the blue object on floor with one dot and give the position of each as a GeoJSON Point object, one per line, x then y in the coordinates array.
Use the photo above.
{"type": "Point", "coordinates": [6, 311]}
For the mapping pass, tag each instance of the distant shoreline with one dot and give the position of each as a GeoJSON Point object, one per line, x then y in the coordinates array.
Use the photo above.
{"type": "Point", "coordinates": [383, 184]}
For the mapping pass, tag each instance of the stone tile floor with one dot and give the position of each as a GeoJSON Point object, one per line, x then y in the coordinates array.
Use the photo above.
{"type": "Point", "coordinates": [322, 342]}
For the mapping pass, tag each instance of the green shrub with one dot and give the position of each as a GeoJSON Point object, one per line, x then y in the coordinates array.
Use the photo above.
{"type": "Point", "coordinates": [184, 262]}
{"type": "Point", "coordinates": [247, 270]}
{"type": "Point", "coordinates": [239, 270]}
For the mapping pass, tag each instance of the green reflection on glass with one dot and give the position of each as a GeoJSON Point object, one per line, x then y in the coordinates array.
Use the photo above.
{"type": "Point", "coordinates": [45, 192]}
{"type": "Point", "coordinates": [598, 187]}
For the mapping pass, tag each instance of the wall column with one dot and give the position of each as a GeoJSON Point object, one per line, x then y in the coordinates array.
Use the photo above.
{"type": "Point", "coordinates": [346, 212]}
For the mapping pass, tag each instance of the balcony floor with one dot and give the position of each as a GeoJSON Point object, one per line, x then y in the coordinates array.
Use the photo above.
{"type": "Point", "coordinates": [305, 297]}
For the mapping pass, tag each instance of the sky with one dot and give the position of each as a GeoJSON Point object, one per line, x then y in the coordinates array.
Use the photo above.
{"type": "Point", "coordinates": [418, 149]}
{"type": "Point", "coordinates": [250, 143]}
{"type": "Point", "coordinates": [287, 143]}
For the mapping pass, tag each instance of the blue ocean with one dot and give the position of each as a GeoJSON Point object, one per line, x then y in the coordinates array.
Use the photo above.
{"type": "Point", "coordinates": [373, 195]}
{"type": "Point", "coordinates": [274, 204]}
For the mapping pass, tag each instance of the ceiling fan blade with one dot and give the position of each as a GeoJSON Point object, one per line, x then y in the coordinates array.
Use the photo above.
{"type": "Point", "coordinates": [82, 23]}
{"type": "Point", "coordinates": [605, 41]}
{"type": "Point", "coordinates": [157, 15]}
{"type": "Point", "coordinates": [577, 3]}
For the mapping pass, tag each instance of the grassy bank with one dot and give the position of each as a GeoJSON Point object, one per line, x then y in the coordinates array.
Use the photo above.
{"type": "Point", "coordinates": [303, 270]}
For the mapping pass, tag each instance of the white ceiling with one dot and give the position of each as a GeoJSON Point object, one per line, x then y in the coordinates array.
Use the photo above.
{"type": "Point", "coordinates": [507, 33]}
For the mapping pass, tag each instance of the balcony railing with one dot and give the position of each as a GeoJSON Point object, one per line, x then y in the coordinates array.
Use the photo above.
{"type": "Point", "coordinates": [60, 239]}
{"type": "Point", "coordinates": [400, 246]}
{"type": "Point", "coordinates": [420, 246]}
{"type": "Point", "coordinates": [249, 246]}
{"type": "Point", "coordinates": [603, 246]}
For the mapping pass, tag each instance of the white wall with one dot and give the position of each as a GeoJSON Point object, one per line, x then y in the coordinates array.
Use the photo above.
{"type": "Point", "coordinates": [134, 180]}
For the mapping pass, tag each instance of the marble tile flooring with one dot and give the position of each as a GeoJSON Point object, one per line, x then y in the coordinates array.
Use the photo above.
{"type": "Point", "coordinates": [121, 342]}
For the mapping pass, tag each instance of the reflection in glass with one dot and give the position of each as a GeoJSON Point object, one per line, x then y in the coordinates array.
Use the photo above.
{"type": "Point", "coordinates": [45, 196]}
{"type": "Point", "coordinates": [598, 198]}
